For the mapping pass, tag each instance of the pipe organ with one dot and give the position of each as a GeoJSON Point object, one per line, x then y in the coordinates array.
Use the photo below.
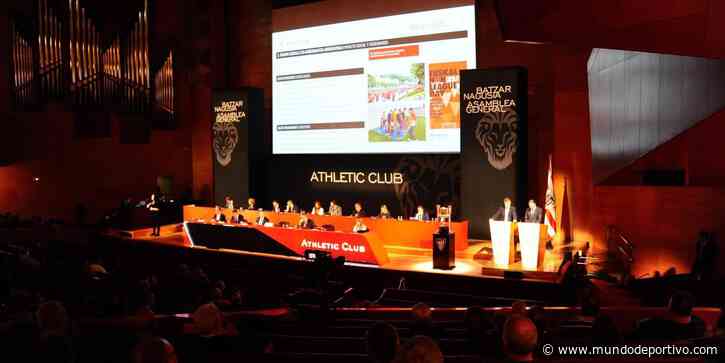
{"type": "Point", "coordinates": [112, 81]}
{"type": "Point", "coordinates": [164, 85]}
{"type": "Point", "coordinates": [50, 51]}
{"type": "Point", "coordinates": [60, 54]}
{"type": "Point", "coordinates": [84, 47]}
{"type": "Point", "coordinates": [136, 64]}
{"type": "Point", "coordinates": [22, 66]}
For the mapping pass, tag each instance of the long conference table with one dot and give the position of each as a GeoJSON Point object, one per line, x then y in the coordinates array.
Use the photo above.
{"type": "Point", "coordinates": [356, 247]}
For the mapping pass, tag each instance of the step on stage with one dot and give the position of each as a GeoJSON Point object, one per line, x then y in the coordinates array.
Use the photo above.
{"type": "Point", "coordinates": [396, 245]}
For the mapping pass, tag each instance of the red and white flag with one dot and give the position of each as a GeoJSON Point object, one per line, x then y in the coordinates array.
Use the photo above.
{"type": "Point", "coordinates": [550, 207]}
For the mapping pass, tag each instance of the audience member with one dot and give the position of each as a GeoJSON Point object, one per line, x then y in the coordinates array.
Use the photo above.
{"type": "Point", "coordinates": [422, 321]}
{"type": "Point", "coordinates": [420, 349]}
{"type": "Point", "coordinates": [677, 324]}
{"type": "Point", "coordinates": [154, 350]}
{"type": "Point", "coordinates": [382, 343]}
{"type": "Point", "coordinates": [520, 339]}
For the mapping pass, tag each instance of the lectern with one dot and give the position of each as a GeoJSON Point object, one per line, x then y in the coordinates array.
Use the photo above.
{"type": "Point", "coordinates": [502, 239]}
{"type": "Point", "coordinates": [444, 242]}
{"type": "Point", "coordinates": [532, 244]}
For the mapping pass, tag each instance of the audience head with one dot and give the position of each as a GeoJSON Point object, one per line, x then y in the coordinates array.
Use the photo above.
{"type": "Point", "coordinates": [208, 320]}
{"type": "Point", "coordinates": [53, 318]}
{"type": "Point", "coordinates": [681, 304]}
{"type": "Point", "coordinates": [382, 342]}
{"type": "Point", "coordinates": [520, 338]}
{"type": "Point", "coordinates": [518, 307]}
{"type": "Point", "coordinates": [154, 350]}
{"type": "Point", "coordinates": [421, 313]}
{"type": "Point", "coordinates": [420, 349]}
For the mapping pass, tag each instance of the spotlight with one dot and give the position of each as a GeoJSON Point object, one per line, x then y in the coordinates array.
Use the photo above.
{"type": "Point", "coordinates": [36, 179]}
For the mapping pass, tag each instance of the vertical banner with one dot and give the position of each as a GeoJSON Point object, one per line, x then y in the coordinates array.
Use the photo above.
{"type": "Point", "coordinates": [493, 143]}
{"type": "Point", "coordinates": [230, 154]}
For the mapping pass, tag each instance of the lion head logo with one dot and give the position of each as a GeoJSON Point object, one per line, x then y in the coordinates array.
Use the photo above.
{"type": "Point", "coordinates": [225, 140]}
{"type": "Point", "coordinates": [497, 134]}
{"type": "Point", "coordinates": [429, 180]}
{"type": "Point", "coordinates": [441, 243]}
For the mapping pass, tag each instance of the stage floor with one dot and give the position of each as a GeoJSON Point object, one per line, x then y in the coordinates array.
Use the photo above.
{"type": "Point", "coordinates": [475, 261]}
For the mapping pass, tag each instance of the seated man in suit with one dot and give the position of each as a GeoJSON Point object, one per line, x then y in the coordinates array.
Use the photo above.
{"type": "Point", "coordinates": [275, 206]}
{"type": "Point", "coordinates": [421, 214]}
{"type": "Point", "coordinates": [261, 219]}
{"type": "Point", "coordinates": [507, 213]}
{"type": "Point", "coordinates": [305, 221]}
{"type": "Point", "coordinates": [290, 207]}
{"type": "Point", "coordinates": [358, 211]}
{"type": "Point", "coordinates": [335, 210]}
{"type": "Point", "coordinates": [384, 212]}
{"type": "Point", "coordinates": [218, 215]}
{"type": "Point", "coordinates": [359, 227]}
{"type": "Point", "coordinates": [251, 204]}
{"type": "Point", "coordinates": [533, 214]}
{"type": "Point", "coordinates": [237, 218]}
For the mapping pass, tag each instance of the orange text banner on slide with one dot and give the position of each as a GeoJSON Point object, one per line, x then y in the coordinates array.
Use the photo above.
{"type": "Point", "coordinates": [394, 52]}
{"type": "Point", "coordinates": [392, 232]}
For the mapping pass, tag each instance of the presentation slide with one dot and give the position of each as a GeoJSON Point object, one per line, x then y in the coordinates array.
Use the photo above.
{"type": "Point", "coordinates": [380, 85]}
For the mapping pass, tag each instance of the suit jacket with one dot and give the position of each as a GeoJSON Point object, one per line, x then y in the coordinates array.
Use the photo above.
{"type": "Point", "coordinates": [238, 219]}
{"type": "Point", "coordinates": [499, 216]}
{"type": "Point", "coordinates": [385, 215]}
{"type": "Point", "coordinates": [261, 221]}
{"type": "Point", "coordinates": [336, 210]}
{"type": "Point", "coordinates": [220, 218]}
{"type": "Point", "coordinates": [359, 214]}
{"type": "Point", "coordinates": [310, 224]}
{"type": "Point", "coordinates": [535, 216]}
{"type": "Point", "coordinates": [423, 217]}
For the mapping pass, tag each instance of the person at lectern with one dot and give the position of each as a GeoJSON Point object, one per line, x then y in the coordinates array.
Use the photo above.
{"type": "Point", "coordinates": [421, 214]}
{"type": "Point", "coordinates": [305, 222]}
{"type": "Point", "coordinates": [335, 209]}
{"type": "Point", "coordinates": [290, 207]}
{"type": "Point", "coordinates": [507, 213]}
{"type": "Point", "coordinates": [359, 226]}
{"type": "Point", "coordinates": [251, 204]}
{"type": "Point", "coordinates": [218, 215]}
{"type": "Point", "coordinates": [155, 211]}
{"type": "Point", "coordinates": [358, 211]}
{"type": "Point", "coordinates": [533, 213]}
{"type": "Point", "coordinates": [237, 218]}
{"type": "Point", "coordinates": [275, 206]}
{"type": "Point", "coordinates": [261, 218]}
{"type": "Point", "coordinates": [384, 212]}
{"type": "Point", "coordinates": [317, 209]}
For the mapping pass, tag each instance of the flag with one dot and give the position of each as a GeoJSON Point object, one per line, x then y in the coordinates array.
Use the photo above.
{"type": "Point", "coordinates": [550, 207]}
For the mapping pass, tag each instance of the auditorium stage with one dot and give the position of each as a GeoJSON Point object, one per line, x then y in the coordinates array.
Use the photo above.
{"type": "Point", "coordinates": [474, 261]}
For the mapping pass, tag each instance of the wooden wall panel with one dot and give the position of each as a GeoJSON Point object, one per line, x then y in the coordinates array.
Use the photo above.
{"type": "Point", "coordinates": [641, 100]}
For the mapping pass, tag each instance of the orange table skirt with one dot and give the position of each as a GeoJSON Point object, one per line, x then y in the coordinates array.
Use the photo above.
{"type": "Point", "coordinates": [391, 232]}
